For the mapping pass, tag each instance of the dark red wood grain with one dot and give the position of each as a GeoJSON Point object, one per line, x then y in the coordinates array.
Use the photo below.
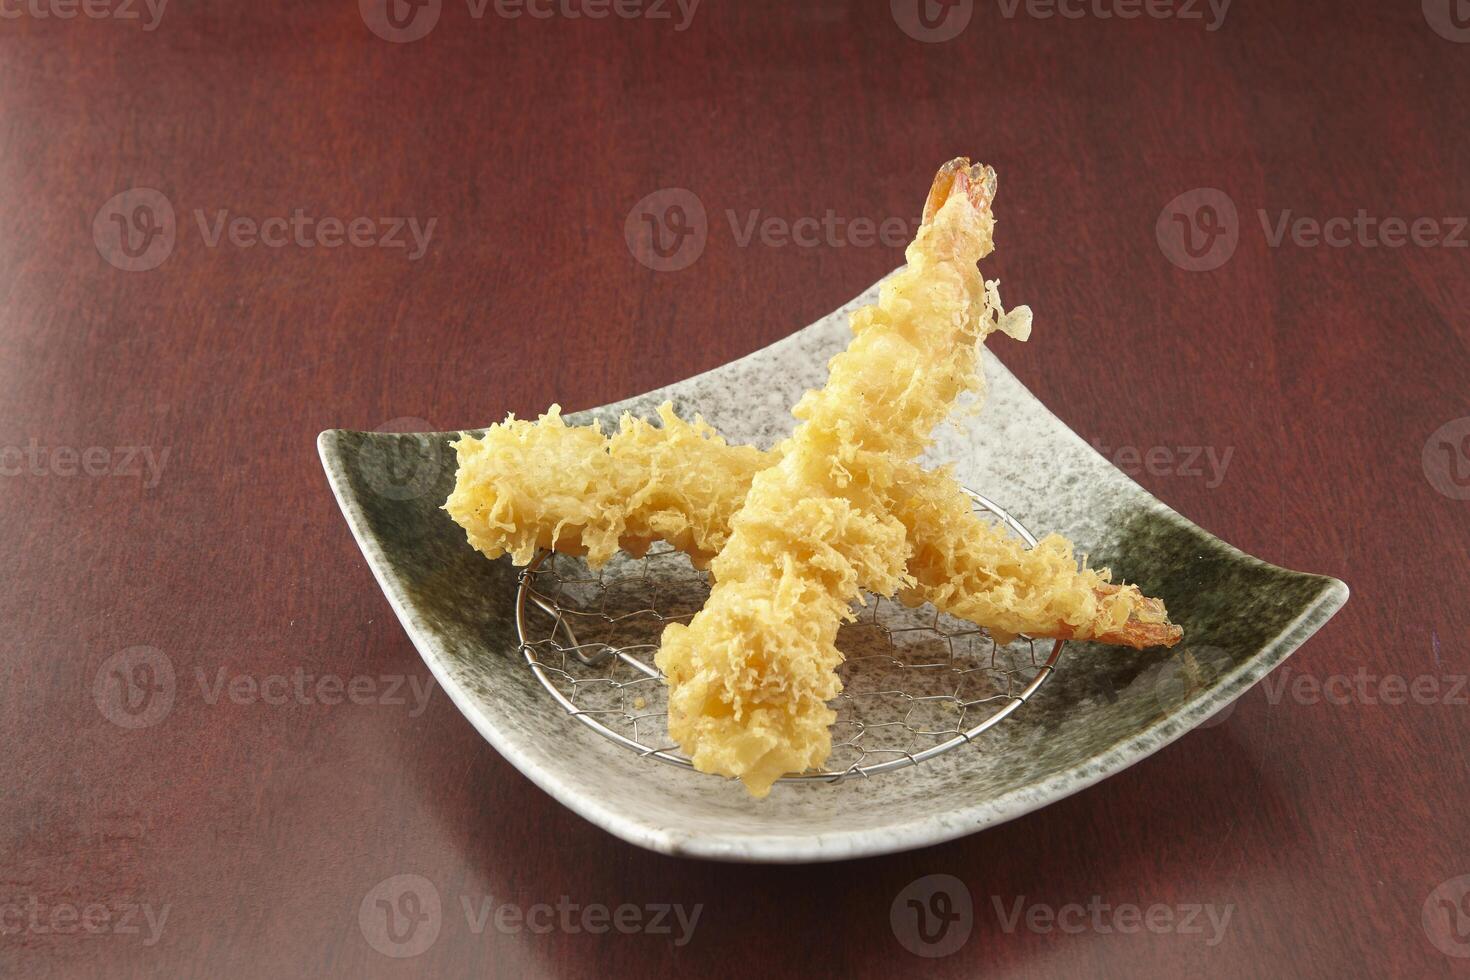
{"type": "Point", "coordinates": [1323, 370]}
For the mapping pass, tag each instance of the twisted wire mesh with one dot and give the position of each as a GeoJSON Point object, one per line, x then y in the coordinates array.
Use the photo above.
{"type": "Point", "coordinates": [916, 682]}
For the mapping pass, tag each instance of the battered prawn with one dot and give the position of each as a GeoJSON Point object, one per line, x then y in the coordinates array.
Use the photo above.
{"type": "Point", "coordinates": [793, 534]}
{"type": "Point", "coordinates": [526, 485]}
{"type": "Point", "coordinates": [750, 675]}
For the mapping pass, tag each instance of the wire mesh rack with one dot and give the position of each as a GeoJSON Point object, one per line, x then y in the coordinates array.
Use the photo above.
{"type": "Point", "coordinates": [916, 682]}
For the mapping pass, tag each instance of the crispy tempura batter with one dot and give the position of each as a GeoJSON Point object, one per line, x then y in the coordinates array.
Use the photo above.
{"type": "Point", "coordinates": [971, 570]}
{"type": "Point", "coordinates": [532, 485]}
{"type": "Point", "coordinates": [528, 485]}
{"type": "Point", "coordinates": [750, 675]}
{"type": "Point", "coordinates": [794, 533]}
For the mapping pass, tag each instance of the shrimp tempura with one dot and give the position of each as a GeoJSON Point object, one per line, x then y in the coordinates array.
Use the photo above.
{"type": "Point", "coordinates": [750, 675]}
{"type": "Point", "coordinates": [527, 485]}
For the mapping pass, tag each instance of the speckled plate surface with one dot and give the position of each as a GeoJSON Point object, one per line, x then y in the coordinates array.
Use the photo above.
{"type": "Point", "coordinates": [1102, 711]}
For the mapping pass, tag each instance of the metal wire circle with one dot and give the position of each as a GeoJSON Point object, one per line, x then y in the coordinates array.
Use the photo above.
{"type": "Point", "coordinates": [916, 682]}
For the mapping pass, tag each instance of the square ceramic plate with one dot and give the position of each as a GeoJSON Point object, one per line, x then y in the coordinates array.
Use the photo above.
{"type": "Point", "coordinates": [1099, 713]}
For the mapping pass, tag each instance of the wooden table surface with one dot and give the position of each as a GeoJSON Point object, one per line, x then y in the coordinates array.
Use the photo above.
{"type": "Point", "coordinates": [161, 393]}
